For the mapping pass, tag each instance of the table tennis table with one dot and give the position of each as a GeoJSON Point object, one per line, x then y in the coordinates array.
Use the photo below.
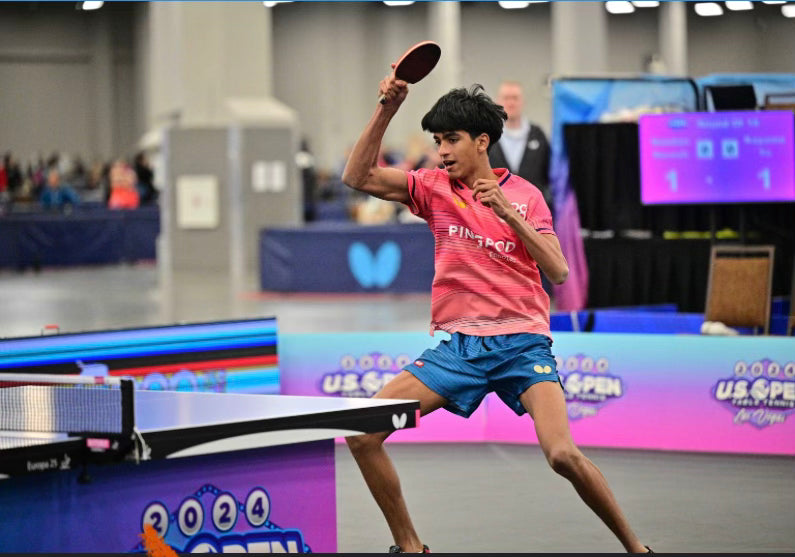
{"type": "Point", "coordinates": [211, 472]}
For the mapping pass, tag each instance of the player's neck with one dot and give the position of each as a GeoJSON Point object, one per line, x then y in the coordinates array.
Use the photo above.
{"type": "Point", "coordinates": [485, 172]}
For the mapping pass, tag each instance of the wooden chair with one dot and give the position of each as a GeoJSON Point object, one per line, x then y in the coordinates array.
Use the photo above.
{"type": "Point", "coordinates": [740, 285]}
{"type": "Point", "coordinates": [780, 101]}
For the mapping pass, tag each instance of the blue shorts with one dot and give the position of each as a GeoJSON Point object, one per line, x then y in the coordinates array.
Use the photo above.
{"type": "Point", "coordinates": [466, 368]}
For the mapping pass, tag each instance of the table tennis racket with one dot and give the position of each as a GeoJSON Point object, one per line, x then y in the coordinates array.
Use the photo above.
{"type": "Point", "coordinates": [416, 63]}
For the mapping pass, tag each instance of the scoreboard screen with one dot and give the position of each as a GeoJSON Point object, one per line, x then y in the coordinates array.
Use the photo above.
{"type": "Point", "coordinates": [717, 157]}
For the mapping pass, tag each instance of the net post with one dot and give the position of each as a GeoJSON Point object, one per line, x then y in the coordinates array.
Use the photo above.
{"type": "Point", "coordinates": [127, 407]}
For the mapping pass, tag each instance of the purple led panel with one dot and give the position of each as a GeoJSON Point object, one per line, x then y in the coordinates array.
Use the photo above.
{"type": "Point", "coordinates": [717, 157]}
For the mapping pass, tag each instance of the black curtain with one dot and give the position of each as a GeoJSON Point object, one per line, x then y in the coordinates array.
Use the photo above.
{"type": "Point", "coordinates": [604, 170]}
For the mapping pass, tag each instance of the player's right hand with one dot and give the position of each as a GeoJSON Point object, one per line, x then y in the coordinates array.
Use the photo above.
{"type": "Point", "coordinates": [393, 90]}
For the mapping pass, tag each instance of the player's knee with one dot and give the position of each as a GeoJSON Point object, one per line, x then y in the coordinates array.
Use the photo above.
{"type": "Point", "coordinates": [564, 460]}
{"type": "Point", "coordinates": [363, 443]}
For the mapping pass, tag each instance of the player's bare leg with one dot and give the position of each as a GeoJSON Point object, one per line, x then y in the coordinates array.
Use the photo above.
{"type": "Point", "coordinates": [377, 468]}
{"type": "Point", "coordinates": [546, 405]}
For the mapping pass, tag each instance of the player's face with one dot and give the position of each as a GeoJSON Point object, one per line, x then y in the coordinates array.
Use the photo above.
{"type": "Point", "coordinates": [459, 153]}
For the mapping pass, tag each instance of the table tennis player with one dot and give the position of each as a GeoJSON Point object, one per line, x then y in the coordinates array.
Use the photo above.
{"type": "Point", "coordinates": [493, 235]}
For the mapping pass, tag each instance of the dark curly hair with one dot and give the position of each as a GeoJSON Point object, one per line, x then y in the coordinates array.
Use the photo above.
{"type": "Point", "coordinates": [470, 110]}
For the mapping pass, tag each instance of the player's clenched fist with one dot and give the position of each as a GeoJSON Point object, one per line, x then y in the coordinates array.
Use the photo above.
{"type": "Point", "coordinates": [490, 194]}
{"type": "Point", "coordinates": [392, 90]}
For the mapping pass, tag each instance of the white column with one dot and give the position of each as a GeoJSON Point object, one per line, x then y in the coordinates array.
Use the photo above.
{"type": "Point", "coordinates": [103, 86]}
{"type": "Point", "coordinates": [673, 37]}
{"type": "Point", "coordinates": [163, 54]}
{"type": "Point", "coordinates": [203, 53]}
{"type": "Point", "coordinates": [579, 38]}
{"type": "Point", "coordinates": [444, 26]}
{"type": "Point", "coordinates": [247, 40]}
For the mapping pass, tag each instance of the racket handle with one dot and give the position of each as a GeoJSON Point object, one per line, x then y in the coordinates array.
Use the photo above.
{"type": "Point", "coordinates": [382, 99]}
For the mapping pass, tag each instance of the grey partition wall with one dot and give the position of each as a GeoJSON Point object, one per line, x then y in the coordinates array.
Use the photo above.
{"type": "Point", "coordinates": [190, 153]}
{"type": "Point", "coordinates": [223, 184]}
{"type": "Point", "coordinates": [271, 192]}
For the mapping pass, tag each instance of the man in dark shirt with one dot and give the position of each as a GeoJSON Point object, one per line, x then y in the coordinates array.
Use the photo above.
{"type": "Point", "coordinates": [523, 147]}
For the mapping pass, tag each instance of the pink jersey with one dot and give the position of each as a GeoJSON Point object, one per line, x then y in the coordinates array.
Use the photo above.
{"type": "Point", "coordinates": [485, 282]}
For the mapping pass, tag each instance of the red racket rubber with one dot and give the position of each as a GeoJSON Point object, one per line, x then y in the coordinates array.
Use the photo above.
{"type": "Point", "coordinates": [416, 63]}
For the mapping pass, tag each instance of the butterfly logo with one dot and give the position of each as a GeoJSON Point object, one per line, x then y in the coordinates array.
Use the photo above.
{"type": "Point", "coordinates": [399, 422]}
{"type": "Point", "coordinates": [374, 270]}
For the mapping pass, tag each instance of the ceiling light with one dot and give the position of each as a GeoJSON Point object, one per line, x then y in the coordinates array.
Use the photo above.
{"type": "Point", "coordinates": [708, 9]}
{"type": "Point", "coordinates": [513, 5]}
{"type": "Point", "coordinates": [739, 5]}
{"type": "Point", "coordinates": [788, 10]}
{"type": "Point", "coordinates": [774, 1]}
{"type": "Point", "coordinates": [619, 7]}
{"type": "Point", "coordinates": [646, 4]}
{"type": "Point", "coordinates": [272, 3]}
{"type": "Point", "coordinates": [92, 5]}
{"type": "Point", "coordinates": [394, 3]}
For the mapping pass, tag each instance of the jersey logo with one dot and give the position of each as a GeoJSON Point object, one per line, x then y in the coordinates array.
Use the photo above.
{"type": "Point", "coordinates": [459, 202]}
{"type": "Point", "coordinates": [521, 208]}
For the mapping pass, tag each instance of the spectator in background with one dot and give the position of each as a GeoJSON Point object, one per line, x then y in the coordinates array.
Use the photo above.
{"type": "Point", "coordinates": [145, 179]}
{"type": "Point", "coordinates": [5, 195]}
{"type": "Point", "coordinates": [305, 162]}
{"type": "Point", "coordinates": [10, 181]}
{"type": "Point", "coordinates": [104, 180]}
{"type": "Point", "coordinates": [53, 160]}
{"type": "Point", "coordinates": [123, 191]}
{"type": "Point", "coordinates": [38, 178]}
{"type": "Point", "coordinates": [77, 177]}
{"type": "Point", "coordinates": [58, 196]}
{"type": "Point", "coordinates": [13, 174]}
{"type": "Point", "coordinates": [4, 174]}
{"type": "Point", "coordinates": [95, 186]}
{"type": "Point", "coordinates": [523, 148]}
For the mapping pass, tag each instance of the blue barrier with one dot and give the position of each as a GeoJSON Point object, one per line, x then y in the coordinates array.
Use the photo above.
{"type": "Point", "coordinates": [344, 257]}
{"type": "Point", "coordinates": [645, 320]}
{"type": "Point", "coordinates": [92, 236]}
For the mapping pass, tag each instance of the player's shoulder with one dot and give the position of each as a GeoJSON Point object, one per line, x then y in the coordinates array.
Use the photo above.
{"type": "Point", "coordinates": [518, 183]}
{"type": "Point", "coordinates": [431, 176]}
{"type": "Point", "coordinates": [435, 173]}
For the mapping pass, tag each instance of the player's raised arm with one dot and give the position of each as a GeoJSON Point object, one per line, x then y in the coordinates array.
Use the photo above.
{"type": "Point", "coordinates": [362, 171]}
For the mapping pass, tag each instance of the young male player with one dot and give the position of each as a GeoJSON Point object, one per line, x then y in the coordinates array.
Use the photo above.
{"type": "Point", "coordinates": [493, 233]}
